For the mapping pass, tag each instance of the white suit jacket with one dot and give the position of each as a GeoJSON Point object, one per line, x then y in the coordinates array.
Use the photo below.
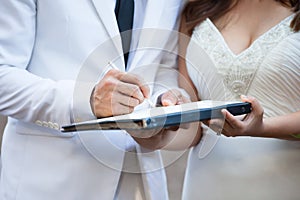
{"type": "Point", "coordinates": [51, 55]}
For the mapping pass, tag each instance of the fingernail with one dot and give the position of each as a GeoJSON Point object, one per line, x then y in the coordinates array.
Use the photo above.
{"type": "Point", "coordinates": [167, 102]}
{"type": "Point", "coordinates": [251, 98]}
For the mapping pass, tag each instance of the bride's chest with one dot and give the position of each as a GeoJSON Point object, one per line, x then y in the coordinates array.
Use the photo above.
{"type": "Point", "coordinates": [238, 70]}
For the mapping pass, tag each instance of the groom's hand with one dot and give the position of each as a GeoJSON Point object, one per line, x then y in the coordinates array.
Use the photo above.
{"type": "Point", "coordinates": [118, 93]}
{"type": "Point", "coordinates": [158, 138]}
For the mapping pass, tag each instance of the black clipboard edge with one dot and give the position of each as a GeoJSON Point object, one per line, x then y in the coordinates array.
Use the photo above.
{"type": "Point", "coordinates": [161, 121]}
{"type": "Point", "coordinates": [201, 114]}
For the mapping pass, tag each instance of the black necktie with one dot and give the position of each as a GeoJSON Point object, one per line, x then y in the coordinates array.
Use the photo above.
{"type": "Point", "coordinates": [124, 13]}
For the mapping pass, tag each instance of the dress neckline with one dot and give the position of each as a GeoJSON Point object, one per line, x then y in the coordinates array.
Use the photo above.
{"type": "Point", "coordinates": [254, 42]}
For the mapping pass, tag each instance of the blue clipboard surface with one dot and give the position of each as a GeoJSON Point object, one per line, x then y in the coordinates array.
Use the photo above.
{"type": "Point", "coordinates": [159, 117]}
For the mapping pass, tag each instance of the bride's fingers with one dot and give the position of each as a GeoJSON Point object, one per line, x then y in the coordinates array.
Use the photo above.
{"type": "Point", "coordinates": [228, 130]}
{"type": "Point", "coordinates": [256, 107]}
{"type": "Point", "coordinates": [231, 120]}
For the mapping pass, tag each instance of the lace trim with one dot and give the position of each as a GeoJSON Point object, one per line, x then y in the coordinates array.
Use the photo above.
{"type": "Point", "coordinates": [238, 71]}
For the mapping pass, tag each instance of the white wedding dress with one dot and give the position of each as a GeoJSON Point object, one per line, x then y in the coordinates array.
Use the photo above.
{"type": "Point", "coordinates": [245, 168]}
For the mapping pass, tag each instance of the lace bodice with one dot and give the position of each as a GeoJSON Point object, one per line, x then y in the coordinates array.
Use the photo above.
{"type": "Point", "coordinates": [246, 72]}
{"type": "Point", "coordinates": [268, 70]}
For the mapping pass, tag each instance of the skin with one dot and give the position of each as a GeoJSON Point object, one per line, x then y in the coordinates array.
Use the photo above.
{"type": "Point", "coordinates": [240, 27]}
{"type": "Point", "coordinates": [174, 138]}
{"type": "Point", "coordinates": [243, 28]}
{"type": "Point", "coordinates": [118, 93]}
{"type": "Point", "coordinates": [255, 125]}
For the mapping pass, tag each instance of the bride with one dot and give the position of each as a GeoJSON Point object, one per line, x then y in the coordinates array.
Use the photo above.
{"type": "Point", "coordinates": [252, 48]}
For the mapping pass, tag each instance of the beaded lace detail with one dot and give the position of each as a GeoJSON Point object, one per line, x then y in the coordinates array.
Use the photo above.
{"type": "Point", "coordinates": [238, 70]}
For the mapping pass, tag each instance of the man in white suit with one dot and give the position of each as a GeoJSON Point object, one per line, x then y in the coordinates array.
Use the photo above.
{"type": "Point", "coordinates": [52, 55]}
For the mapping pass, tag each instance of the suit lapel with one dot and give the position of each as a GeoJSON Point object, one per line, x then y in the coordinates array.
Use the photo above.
{"type": "Point", "coordinates": [153, 13]}
{"type": "Point", "coordinates": [105, 11]}
{"type": "Point", "coordinates": [151, 21]}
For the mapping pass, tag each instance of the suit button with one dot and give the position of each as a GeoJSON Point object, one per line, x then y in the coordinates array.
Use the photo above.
{"type": "Point", "coordinates": [45, 124]}
{"type": "Point", "coordinates": [51, 125]}
{"type": "Point", "coordinates": [56, 126]}
{"type": "Point", "coordinates": [38, 122]}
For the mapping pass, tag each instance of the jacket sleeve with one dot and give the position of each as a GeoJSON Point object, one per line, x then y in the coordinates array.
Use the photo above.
{"type": "Point", "coordinates": [23, 95]}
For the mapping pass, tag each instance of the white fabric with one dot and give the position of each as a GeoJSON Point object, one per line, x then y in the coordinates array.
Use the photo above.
{"type": "Point", "coordinates": [243, 167]}
{"type": "Point", "coordinates": [51, 55]}
{"type": "Point", "coordinates": [134, 190]}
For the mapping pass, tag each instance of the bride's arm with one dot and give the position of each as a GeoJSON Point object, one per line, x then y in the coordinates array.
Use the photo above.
{"type": "Point", "coordinates": [285, 127]}
{"type": "Point", "coordinates": [281, 127]}
{"type": "Point", "coordinates": [185, 81]}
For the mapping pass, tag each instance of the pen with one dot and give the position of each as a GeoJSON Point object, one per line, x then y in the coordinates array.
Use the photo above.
{"type": "Point", "coordinates": [112, 65]}
{"type": "Point", "coordinates": [152, 105]}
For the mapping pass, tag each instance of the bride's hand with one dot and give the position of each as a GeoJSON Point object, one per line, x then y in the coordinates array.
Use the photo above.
{"type": "Point", "coordinates": [250, 125]}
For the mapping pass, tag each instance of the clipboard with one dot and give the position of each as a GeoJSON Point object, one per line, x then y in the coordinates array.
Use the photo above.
{"type": "Point", "coordinates": [160, 117]}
